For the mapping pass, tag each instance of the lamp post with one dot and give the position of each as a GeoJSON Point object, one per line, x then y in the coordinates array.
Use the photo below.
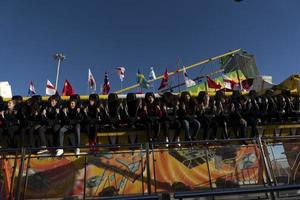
{"type": "Point", "coordinates": [59, 57]}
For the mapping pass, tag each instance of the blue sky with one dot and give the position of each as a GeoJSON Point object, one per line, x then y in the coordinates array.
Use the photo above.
{"type": "Point", "coordinates": [139, 34]}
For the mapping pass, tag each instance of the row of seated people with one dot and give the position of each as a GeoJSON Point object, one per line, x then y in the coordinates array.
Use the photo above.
{"type": "Point", "coordinates": [49, 121]}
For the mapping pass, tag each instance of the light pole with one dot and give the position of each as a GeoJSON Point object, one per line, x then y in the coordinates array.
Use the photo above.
{"type": "Point", "coordinates": [59, 57]}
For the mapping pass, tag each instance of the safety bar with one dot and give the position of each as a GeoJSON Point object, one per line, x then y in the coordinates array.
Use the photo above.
{"type": "Point", "coordinates": [135, 197]}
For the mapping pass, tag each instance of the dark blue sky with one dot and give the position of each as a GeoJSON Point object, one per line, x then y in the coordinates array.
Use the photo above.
{"type": "Point", "coordinates": [139, 34]}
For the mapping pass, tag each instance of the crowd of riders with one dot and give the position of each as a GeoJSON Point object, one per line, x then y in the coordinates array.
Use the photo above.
{"type": "Point", "coordinates": [37, 123]}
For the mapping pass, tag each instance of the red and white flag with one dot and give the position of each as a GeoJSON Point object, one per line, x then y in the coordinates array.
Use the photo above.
{"type": "Point", "coordinates": [121, 72]}
{"type": "Point", "coordinates": [50, 89]}
{"type": "Point", "coordinates": [164, 81]}
{"type": "Point", "coordinates": [91, 81]}
{"type": "Point", "coordinates": [229, 84]}
{"type": "Point", "coordinates": [212, 84]}
{"type": "Point", "coordinates": [68, 90]}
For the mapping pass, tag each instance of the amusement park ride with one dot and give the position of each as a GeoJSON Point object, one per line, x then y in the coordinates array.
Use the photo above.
{"type": "Point", "coordinates": [264, 167]}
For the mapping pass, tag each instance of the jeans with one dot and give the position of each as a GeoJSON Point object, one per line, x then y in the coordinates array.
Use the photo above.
{"type": "Point", "coordinates": [75, 141]}
{"type": "Point", "coordinates": [191, 128]}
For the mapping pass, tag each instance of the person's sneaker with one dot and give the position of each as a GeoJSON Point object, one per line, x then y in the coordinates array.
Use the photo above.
{"type": "Point", "coordinates": [178, 142]}
{"type": "Point", "coordinates": [77, 151]}
{"type": "Point", "coordinates": [42, 151]}
{"type": "Point", "coordinates": [59, 152]}
{"type": "Point", "coordinates": [167, 142]}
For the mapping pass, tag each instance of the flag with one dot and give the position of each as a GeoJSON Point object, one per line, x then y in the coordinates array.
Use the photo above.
{"type": "Point", "coordinates": [142, 81]}
{"type": "Point", "coordinates": [229, 84]}
{"type": "Point", "coordinates": [91, 81]}
{"type": "Point", "coordinates": [121, 72]}
{"type": "Point", "coordinates": [188, 82]}
{"type": "Point", "coordinates": [164, 81]}
{"type": "Point", "coordinates": [68, 90]}
{"type": "Point", "coordinates": [106, 85]}
{"type": "Point", "coordinates": [152, 75]}
{"type": "Point", "coordinates": [31, 90]}
{"type": "Point", "coordinates": [50, 90]}
{"type": "Point", "coordinates": [212, 84]}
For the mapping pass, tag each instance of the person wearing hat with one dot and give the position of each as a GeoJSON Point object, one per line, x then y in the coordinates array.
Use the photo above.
{"type": "Point", "coordinates": [71, 118]}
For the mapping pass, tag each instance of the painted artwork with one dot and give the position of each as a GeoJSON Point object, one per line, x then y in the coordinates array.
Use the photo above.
{"type": "Point", "coordinates": [125, 172]}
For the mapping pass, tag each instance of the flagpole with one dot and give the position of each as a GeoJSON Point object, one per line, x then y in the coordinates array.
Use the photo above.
{"type": "Point", "coordinates": [59, 57]}
{"type": "Point", "coordinates": [178, 78]}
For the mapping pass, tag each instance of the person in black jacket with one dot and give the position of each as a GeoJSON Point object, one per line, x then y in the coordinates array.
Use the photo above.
{"type": "Point", "coordinates": [33, 125]}
{"type": "Point", "coordinates": [70, 120]}
{"type": "Point", "coordinates": [11, 123]}
{"type": "Point", "coordinates": [151, 116]}
{"type": "Point", "coordinates": [92, 119]}
{"type": "Point", "coordinates": [187, 116]}
{"type": "Point", "coordinates": [238, 111]}
{"type": "Point", "coordinates": [170, 119]}
{"type": "Point", "coordinates": [51, 121]}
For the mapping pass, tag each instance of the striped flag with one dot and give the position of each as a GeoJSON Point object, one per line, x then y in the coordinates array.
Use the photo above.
{"type": "Point", "coordinates": [31, 90]}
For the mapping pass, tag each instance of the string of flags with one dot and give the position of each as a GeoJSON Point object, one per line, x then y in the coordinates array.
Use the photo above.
{"type": "Point", "coordinates": [228, 83]}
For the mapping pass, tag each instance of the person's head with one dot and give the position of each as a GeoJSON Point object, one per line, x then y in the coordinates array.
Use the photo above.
{"type": "Point", "coordinates": [150, 97]}
{"type": "Point", "coordinates": [53, 102]}
{"type": "Point", "coordinates": [242, 99]}
{"type": "Point", "coordinates": [93, 99]}
{"type": "Point", "coordinates": [72, 104]}
{"type": "Point", "coordinates": [186, 96]}
{"type": "Point", "coordinates": [11, 104]}
{"type": "Point", "coordinates": [92, 102]}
